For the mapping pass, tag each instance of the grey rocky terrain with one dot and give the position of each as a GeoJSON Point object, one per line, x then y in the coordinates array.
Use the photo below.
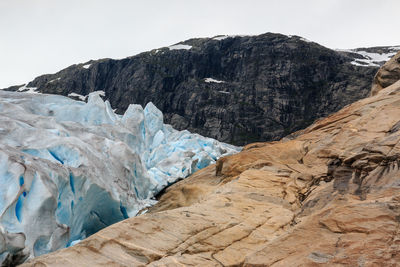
{"type": "Point", "coordinates": [237, 89]}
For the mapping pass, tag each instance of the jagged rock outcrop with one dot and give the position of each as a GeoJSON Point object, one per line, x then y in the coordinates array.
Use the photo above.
{"type": "Point", "coordinates": [237, 89]}
{"type": "Point", "coordinates": [329, 197]}
{"type": "Point", "coordinates": [387, 75]}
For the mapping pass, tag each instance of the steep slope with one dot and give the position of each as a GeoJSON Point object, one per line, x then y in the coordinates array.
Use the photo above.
{"type": "Point", "coordinates": [387, 75]}
{"type": "Point", "coordinates": [236, 89]}
{"type": "Point", "coordinates": [69, 168]}
{"type": "Point", "coordinates": [329, 197]}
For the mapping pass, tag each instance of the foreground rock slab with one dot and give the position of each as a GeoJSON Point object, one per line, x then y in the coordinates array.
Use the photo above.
{"type": "Point", "coordinates": [327, 196]}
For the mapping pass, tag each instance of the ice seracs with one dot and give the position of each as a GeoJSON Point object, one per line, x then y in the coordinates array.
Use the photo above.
{"type": "Point", "coordinates": [70, 168]}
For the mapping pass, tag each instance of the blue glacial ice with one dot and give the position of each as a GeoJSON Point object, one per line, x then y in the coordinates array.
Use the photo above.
{"type": "Point", "coordinates": [70, 168]}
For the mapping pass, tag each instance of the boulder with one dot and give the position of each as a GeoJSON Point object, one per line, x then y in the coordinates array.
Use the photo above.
{"type": "Point", "coordinates": [387, 75]}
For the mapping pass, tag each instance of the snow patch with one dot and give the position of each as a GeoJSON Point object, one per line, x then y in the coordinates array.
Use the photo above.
{"type": "Point", "coordinates": [211, 80]}
{"type": "Point", "coordinates": [81, 97]}
{"type": "Point", "coordinates": [370, 59]}
{"type": "Point", "coordinates": [219, 38]}
{"type": "Point", "coordinates": [86, 66]}
{"type": "Point", "coordinates": [179, 46]}
{"type": "Point", "coordinates": [55, 80]}
{"type": "Point", "coordinates": [222, 37]}
{"type": "Point", "coordinates": [224, 92]}
{"type": "Point", "coordinates": [301, 38]}
{"type": "Point", "coordinates": [305, 40]}
{"type": "Point", "coordinates": [29, 90]}
{"type": "Point", "coordinates": [100, 93]}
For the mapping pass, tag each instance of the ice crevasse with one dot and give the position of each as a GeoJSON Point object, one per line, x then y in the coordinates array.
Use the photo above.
{"type": "Point", "coordinates": [70, 168]}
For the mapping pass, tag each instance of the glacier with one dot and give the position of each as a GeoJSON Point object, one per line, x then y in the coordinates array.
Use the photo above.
{"type": "Point", "coordinates": [70, 168]}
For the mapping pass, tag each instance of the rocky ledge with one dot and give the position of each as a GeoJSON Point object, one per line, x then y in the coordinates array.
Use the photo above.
{"type": "Point", "coordinates": [329, 196]}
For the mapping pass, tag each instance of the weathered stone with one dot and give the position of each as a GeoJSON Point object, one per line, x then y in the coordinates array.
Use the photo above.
{"type": "Point", "coordinates": [387, 75]}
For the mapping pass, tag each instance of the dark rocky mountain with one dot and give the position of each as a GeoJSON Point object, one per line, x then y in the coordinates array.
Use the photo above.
{"type": "Point", "coordinates": [237, 89]}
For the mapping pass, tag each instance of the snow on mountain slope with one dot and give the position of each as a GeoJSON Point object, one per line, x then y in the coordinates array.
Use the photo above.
{"type": "Point", "coordinates": [69, 168]}
{"type": "Point", "coordinates": [179, 46]}
{"type": "Point", "coordinates": [373, 56]}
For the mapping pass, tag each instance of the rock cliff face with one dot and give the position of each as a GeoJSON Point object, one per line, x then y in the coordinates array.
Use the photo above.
{"type": "Point", "coordinates": [387, 75]}
{"type": "Point", "coordinates": [329, 197]}
{"type": "Point", "coordinates": [234, 89]}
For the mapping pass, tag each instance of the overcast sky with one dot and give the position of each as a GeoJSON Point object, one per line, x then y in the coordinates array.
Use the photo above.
{"type": "Point", "coordinates": [44, 36]}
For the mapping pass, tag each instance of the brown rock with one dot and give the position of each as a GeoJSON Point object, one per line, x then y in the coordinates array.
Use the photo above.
{"type": "Point", "coordinates": [329, 197]}
{"type": "Point", "coordinates": [387, 75]}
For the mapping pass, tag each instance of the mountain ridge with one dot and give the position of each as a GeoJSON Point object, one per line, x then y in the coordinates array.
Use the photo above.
{"type": "Point", "coordinates": [236, 89]}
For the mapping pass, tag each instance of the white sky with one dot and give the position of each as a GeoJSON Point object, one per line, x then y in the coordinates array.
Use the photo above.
{"type": "Point", "coordinates": [44, 36]}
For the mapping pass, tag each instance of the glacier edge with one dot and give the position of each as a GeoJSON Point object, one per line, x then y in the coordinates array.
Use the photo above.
{"type": "Point", "coordinates": [70, 168]}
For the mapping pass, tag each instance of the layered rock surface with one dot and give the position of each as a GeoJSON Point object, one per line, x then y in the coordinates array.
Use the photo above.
{"type": "Point", "coordinates": [236, 89]}
{"type": "Point", "coordinates": [327, 196]}
{"type": "Point", "coordinates": [387, 75]}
